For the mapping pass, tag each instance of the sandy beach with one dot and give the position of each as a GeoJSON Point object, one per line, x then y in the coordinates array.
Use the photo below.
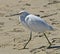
{"type": "Point", "coordinates": [13, 35]}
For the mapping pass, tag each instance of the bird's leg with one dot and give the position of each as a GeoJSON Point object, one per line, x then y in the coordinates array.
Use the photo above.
{"type": "Point", "coordinates": [28, 40]}
{"type": "Point", "coordinates": [47, 40]}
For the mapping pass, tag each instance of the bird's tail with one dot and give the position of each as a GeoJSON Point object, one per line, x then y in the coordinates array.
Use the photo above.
{"type": "Point", "coordinates": [51, 28]}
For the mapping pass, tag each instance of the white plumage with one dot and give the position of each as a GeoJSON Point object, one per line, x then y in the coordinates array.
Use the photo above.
{"type": "Point", "coordinates": [34, 23]}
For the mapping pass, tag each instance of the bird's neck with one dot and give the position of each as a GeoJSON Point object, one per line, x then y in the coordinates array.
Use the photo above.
{"type": "Point", "coordinates": [22, 17]}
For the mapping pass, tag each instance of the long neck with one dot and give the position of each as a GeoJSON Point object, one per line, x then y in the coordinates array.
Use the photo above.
{"type": "Point", "coordinates": [23, 16]}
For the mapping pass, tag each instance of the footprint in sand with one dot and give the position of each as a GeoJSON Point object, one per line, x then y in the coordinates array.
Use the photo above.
{"type": "Point", "coordinates": [17, 30]}
{"type": "Point", "coordinates": [1, 25]}
{"type": "Point", "coordinates": [56, 40]}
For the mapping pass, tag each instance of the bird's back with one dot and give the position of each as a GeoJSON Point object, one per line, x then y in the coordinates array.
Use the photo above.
{"type": "Point", "coordinates": [37, 24]}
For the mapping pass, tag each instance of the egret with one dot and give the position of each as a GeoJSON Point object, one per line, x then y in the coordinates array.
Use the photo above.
{"type": "Point", "coordinates": [34, 23]}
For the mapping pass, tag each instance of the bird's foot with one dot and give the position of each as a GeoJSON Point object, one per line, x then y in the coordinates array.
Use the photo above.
{"type": "Point", "coordinates": [25, 48]}
{"type": "Point", "coordinates": [49, 45]}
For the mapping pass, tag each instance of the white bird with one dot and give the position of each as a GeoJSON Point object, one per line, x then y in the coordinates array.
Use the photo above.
{"type": "Point", "coordinates": [34, 23]}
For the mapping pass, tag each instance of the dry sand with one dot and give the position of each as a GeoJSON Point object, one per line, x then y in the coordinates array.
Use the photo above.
{"type": "Point", "coordinates": [13, 35]}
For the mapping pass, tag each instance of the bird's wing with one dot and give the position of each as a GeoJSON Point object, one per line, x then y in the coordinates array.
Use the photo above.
{"type": "Point", "coordinates": [35, 22]}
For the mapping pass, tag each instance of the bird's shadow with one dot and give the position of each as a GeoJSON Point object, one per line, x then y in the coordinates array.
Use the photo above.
{"type": "Point", "coordinates": [44, 47]}
{"type": "Point", "coordinates": [58, 47]}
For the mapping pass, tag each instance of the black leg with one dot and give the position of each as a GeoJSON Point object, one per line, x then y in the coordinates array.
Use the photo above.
{"type": "Point", "coordinates": [47, 40]}
{"type": "Point", "coordinates": [28, 40]}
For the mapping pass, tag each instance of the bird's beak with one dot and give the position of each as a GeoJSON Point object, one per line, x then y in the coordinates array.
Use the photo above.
{"type": "Point", "coordinates": [12, 15]}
